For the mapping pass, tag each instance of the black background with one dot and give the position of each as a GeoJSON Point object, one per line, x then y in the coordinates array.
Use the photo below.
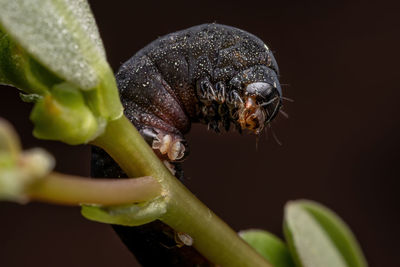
{"type": "Point", "coordinates": [339, 61]}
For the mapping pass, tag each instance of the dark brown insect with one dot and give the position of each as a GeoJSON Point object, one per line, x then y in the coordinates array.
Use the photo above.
{"type": "Point", "coordinates": [211, 73]}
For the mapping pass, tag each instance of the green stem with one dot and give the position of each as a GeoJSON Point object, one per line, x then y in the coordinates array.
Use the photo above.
{"type": "Point", "coordinates": [185, 213]}
{"type": "Point", "coordinates": [72, 190]}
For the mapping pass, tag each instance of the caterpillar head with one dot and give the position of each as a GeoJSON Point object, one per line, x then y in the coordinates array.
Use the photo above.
{"type": "Point", "coordinates": [261, 103]}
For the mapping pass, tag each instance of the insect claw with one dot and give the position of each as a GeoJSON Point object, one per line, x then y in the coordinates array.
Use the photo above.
{"type": "Point", "coordinates": [212, 95]}
{"type": "Point", "coordinates": [205, 90]}
{"type": "Point", "coordinates": [235, 99]}
{"type": "Point", "coordinates": [220, 88]}
{"type": "Point", "coordinates": [238, 98]}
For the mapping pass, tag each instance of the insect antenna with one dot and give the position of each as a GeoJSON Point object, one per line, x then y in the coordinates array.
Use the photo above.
{"type": "Point", "coordinates": [269, 102]}
{"type": "Point", "coordinates": [274, 112]}
{"type": "Point", "coordinates": [284, 114]}
{"type": "Point", "coordinates": [274, 135]}
{"type": "Point", "coordinates": [266, 133]}
{"type": "Point", "coordinates": [287, 99]}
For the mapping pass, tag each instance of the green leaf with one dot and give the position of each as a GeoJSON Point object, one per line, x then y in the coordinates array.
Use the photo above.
{"type": "Point", "coordinates": [19, 69]}
{"type": "Point", "coordinates": [314, 242]}
{"type": "Point", "coordinates": [269, 246]}
{"type": "Point", "coordinates": [127, 215]}
{"type": "Point", "coordinates": [45, 44]}
{"type": "Point", "coordinates": [63, 115]}
{"type": "Point", "coordinates": [18, 170]}
{"type": "Point", "coordinates": [60, 34]}
{"type": "Point", "coordinates": [308, 242]}
{"type": "Point", "coordinates": [338, 231]}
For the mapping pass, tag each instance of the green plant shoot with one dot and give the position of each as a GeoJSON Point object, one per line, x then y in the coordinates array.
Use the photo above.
{"type": "Point", "coordinates": [53, 52]}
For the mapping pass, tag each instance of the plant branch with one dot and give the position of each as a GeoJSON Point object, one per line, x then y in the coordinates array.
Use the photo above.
{"type": "Point", "coordinates": [72, 190]}
{"type": "Point", "coordinates": [185, 213]}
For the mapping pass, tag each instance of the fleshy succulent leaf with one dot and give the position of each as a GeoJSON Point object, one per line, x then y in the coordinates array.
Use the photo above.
{"type": "Point", "coordinates": [338, 231]}
{"type": "Point", "coordinates": [127, 215]}
{"type": "Point", "coordinates": [318, 237]}
{"type": "Point", "coordinates": [269, 246]}
{"type": "Point", "coordinates": [46, 44]}
{"type": "Point", "coordinates": [63, 115]}
{"type": "Point", "coordinates": [61, 34]}
{"type": "Point", "coordinates": [19, 169]}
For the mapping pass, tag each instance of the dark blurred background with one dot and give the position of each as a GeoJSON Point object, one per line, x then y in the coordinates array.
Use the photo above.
{"type": "Point", "coordinates": [339, 61]}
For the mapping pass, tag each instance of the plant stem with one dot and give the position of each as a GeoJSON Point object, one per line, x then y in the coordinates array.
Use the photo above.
{"type": "Point", "coordinates": [72, 190]}
{"type": "Point", "coordinates": [185, 213]}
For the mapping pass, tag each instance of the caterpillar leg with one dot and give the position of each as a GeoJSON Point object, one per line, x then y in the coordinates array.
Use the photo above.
{"type": "Point", "coordinates": [208, 93]}
{"type": "Point", "coordinates": [169, 146]}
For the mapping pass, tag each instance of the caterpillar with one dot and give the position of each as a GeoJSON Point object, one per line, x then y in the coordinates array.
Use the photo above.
{"type": "Point", "coordinates": [213, 74]}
